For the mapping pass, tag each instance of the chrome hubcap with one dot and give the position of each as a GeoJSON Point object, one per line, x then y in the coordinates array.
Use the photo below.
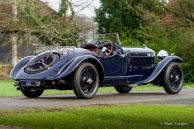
{"type": "Point", "coordinates": [175, 78]}
{"type": "Point", "coordinates": [88, 80]}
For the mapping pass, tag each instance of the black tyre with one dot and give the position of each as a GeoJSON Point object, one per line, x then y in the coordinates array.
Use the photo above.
{"type": "Point", "coordinates": [123, 88]}
{"type": "Point", "coordinates": [86, 81]}
{"type": "Point", "coordinates": [32, 93]}
{"type": "Point", "coordinates": [173, 78]}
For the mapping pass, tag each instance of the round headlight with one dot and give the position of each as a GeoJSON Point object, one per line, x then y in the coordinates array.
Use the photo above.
{"type": "Point", "coordinates": [162, 54]}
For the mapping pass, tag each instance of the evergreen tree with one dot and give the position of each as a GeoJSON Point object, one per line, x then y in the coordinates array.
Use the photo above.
{"type": "Point", "coordinates": [127, 17]}
{"type": "Point", "coordinates": [115, 16]}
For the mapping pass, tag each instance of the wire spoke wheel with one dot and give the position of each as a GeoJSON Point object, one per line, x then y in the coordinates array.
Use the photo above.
{"type": "Point", "coordinates": [122, 88]}
{"type": "Point", "coordinates": [32, 93]}
{"type": "Point", "coordinates": [173, 78]}
{"type": "Point", "coordinates": [86, 81]}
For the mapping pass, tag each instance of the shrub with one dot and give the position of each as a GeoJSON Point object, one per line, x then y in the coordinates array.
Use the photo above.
{"type": "Point", "coordinates": [4, 71]}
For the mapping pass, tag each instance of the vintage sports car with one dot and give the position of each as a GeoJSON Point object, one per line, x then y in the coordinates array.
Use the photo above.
{"type": "Point", "coordinates": [100, 61]}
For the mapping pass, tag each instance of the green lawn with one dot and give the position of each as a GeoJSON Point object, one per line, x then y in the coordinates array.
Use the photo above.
{"type": "Point", "coordinates": [7, 89]}
{"type": "Point", "coordinates": [103, 117]}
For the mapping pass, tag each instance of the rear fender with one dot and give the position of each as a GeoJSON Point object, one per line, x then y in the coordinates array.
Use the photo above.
{"type": "Point", "coordinates": [73, 64]}
{"type": "Point", "coordinates": [19, 66]}
{"type": "Point", "coordinates": [159, 68]}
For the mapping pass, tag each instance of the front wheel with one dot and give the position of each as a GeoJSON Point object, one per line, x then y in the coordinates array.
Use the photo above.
{"type": "Point", "coordinates": [85, 81]}
{"type": "Point", "coordinates": [173, 78]}
{"type": "Point", "coordinates": [123, 88]}
{"type": "Point", "coordinates": [32, 93]}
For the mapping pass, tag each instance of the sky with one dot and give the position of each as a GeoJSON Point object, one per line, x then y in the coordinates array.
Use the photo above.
{"type": "Point", "coordinates": [82, 7]}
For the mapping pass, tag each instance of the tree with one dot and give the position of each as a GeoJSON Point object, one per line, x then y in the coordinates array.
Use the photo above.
{"type": "Point", "coordinates": [143, 22]}
{"type": "Point", "coordinates": [54, 28]}
{"type": "Point", "coordinates": [14, 36]}
{"type": "Point", "coordinates": [126, 17]}
{"type": "Point", "coordinates": [183, 13]}
{"type": "Point", "coordinates": [63, 8]}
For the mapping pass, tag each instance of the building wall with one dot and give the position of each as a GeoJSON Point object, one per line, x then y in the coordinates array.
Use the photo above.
{"type": "Point", "coordinates": [5, 49]}
{"type": "Point", "coordinates": [26, 43]}
{"type": "Point", "coordinates": [172, 2]}
{"type": "Point", "coordinates": [169, 17]}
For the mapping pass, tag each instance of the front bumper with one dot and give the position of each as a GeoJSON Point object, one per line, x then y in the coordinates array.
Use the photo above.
{"type": "Point", "coordinates": [28, 83]}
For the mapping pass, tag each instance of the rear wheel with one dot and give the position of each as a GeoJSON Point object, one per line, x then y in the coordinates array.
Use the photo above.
{"type": "Point", "coordinates": [85, 81]}
{"type": "Point", "coordinates": [123, 88]}
{"type": "Point", "coordinates": [32, 93]}
{"type": "Point", "coordinates": [173, 78]}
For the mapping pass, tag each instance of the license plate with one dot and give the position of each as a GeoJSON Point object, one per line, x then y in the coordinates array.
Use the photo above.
{"type": "Point", "coordinates": [28, 83]}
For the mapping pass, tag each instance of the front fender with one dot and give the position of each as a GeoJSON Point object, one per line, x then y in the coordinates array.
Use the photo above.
{"type": "Point", "coordinates": [19, 66]}
{"type": "Point", "coordinates": [159, 68]}
{"type": "Point", "coordinates": [74, 63]}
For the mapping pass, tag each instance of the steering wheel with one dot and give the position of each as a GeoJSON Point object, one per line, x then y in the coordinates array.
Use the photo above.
{"type": "Point", "coordinates": [109, 47]}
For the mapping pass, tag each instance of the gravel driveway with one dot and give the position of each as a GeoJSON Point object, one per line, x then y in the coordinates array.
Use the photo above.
{"type": "Point", "coordinates": [186, 97]}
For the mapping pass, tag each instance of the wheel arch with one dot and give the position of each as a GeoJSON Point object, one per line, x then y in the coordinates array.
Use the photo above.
{"type": "Point", "coordinates": [159, 68]}
{"type": "Point", "coordinates": [19, 66]}
{"type": "Point", "coordinates": [74, 63]}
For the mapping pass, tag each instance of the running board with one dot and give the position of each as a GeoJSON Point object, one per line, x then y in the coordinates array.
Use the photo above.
{"type": "Point", "coordinates": [122, 80]}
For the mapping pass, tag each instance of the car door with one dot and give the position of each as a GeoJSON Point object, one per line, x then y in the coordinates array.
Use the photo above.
{"type": "Point", "coordinates": [115, 65]}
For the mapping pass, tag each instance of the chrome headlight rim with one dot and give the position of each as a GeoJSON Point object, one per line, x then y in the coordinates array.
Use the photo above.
{"type": "Point", "coordinates": [162, 54]}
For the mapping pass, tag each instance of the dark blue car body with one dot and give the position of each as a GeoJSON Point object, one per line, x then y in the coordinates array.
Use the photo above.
{"type": "Point", "coordinates": [127, 66]}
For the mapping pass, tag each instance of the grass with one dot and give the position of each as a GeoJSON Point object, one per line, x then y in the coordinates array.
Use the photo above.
{"type": "Point", "coordinates": [98, 117]}
{"type": "Point", "coordinates": [8, 90]}
{"type": "Point", "coordinates": [103, 117]}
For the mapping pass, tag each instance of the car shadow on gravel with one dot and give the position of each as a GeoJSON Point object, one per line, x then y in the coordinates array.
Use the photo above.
{"type": "Point", "coordinates": [100, 96]}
